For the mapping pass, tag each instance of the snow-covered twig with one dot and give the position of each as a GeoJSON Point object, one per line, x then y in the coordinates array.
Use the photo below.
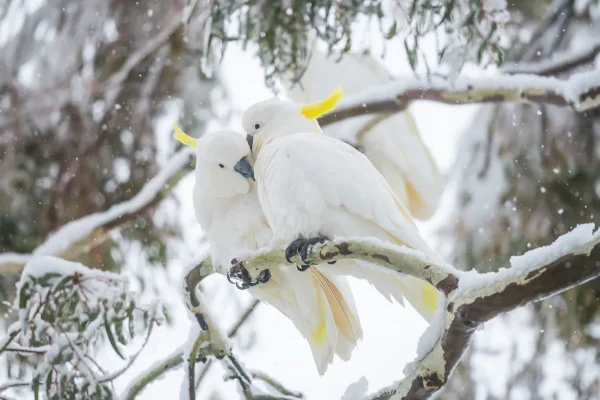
{"type": "Point", "coordinates": [471, 298]}
{"type": "Point", "coordinates": [558, 63]}
{"type": "Point", "coordinates": [150, 374]}
{"type": "Point", "coordinates": [76, 233]}
{"type": "Point", "coordinates": [276, 385]}
{"type": "Point", "coordinates": [581, 91]}
{"type": "Point", "coordinates": [218, 343]}
{"type": "Point", "coordinates": [214, 342]}
{"type": "Point", "coordinates": [64, 308]}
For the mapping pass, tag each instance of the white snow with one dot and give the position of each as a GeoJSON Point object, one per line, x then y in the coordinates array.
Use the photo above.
{"type": "Point", "coordinates": [570, 88]}
{"type": "Point", "coordinates": [488, 81]}
{"type": "Point", "coordinates": [357, 390]}
{"type": "Point", "coordinates": [41, 266]}
{"type": "Point", "coordinates": [582, 236]}
{"type": "Point", "coordinates": [14, 258]}
{"type": "Point", "coordinates": [580, 241]}
{"type": "Point", "coordinates": [76, 230]}
{"type": "Point", "coordinates": [557, 59]}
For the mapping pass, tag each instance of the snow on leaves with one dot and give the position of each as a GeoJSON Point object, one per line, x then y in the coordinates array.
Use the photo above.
{"type": "Point", "coordinates": [65, 310]}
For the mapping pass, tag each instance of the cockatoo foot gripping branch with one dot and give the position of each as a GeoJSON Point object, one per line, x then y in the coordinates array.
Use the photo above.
{"type": "Point", "coordinates": [239, 276]}
{"type": "Point", "coordinates": [302, 247]}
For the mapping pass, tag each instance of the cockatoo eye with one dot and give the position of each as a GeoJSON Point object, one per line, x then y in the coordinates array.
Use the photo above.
{"type": "Point", "coordinates": [257, 126]}
{"type": "Point", "coordinates": [221, 165]}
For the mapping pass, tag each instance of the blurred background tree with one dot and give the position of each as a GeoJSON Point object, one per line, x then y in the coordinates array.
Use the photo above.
{"type": "Point", "coordinates": [525, 175]}
{"type": "Point", "coordinates": [83, 84]}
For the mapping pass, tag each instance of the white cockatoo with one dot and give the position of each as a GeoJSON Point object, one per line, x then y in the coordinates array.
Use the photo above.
{"type": "Point", "coordinates": [312, 186]}
{"type": "Point", "coordinates": [390, 141]}
{"type": "Point", "coordinates": [320, 304]}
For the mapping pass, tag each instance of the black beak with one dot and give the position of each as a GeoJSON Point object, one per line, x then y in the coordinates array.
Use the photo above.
{"type": "Point", "coordinates": [250, 140]}
{"type": "Point", "coordinates": [243, 168]}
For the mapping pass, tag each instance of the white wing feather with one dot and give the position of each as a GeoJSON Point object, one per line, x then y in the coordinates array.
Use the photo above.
{"type": "Point", "coordinates": [336, 191]}
{"type": "Point", "coordinates": [393, 145]}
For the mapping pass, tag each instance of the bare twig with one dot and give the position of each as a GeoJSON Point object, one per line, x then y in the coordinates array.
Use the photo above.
{"type": "Point", "coordinates": [581, 92]}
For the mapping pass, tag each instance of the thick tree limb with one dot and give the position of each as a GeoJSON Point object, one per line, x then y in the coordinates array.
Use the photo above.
{"type": "Point", "coordinates": [471, 298]}
{"type": "Point", "coordinates": [77, 234]}
{"type": "Point", "coordinates": [581, 92]}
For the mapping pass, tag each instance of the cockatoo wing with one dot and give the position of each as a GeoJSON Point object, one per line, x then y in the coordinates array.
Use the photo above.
{"type": "Point", "coordinates": [398, 152]}
{"type": "Point", "coordinates": [336, 191]}
{"type": "Point", "coordinates": [392, 285]}
{"type": "Point", "coordinates": [334, 188]}
{"type": "Point", "coordinates": [392, 143]}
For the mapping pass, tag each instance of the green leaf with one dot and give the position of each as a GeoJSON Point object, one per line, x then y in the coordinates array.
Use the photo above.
{"type": "Point", "coordinates": [412, 55]}
{"type": "Point", "coordinates": [111, 338]}
{"type": "Point", "coordinates": [119, 332]}
{"type": "Point", "coordinates": [413, 9]}
{"type": "Point", "coordinates": [392, 32]}
{"type": "Point", "coordinates": [500, 54]}
{"type": "Point", "coordinates": [24, 295]}
{"type": "Point", "coordinates": [35, 386]}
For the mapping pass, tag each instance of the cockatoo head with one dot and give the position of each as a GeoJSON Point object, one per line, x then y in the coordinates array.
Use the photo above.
{"type": "Point", "coordinates": [274, 118]}
{"type": "Point", "coordinates": [222, 162]}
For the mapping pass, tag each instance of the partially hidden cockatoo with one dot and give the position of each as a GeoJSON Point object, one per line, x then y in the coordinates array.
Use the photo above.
{"type": "Point", "coordinates": [390, 141]}
{"type": "Point", "coordinates": [312, 186]}
{"type": "Point", "coordinates": [320, 304]}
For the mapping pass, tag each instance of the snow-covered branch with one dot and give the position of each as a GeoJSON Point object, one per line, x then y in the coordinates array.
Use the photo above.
{"type": "Point", "coordinates": [581, 91]}
{"type": "Point", "coordinates": [471, 298]}
{"type": "Point", "coordinates": [559, 62]}
{"type": "Point", "coordinates": [75, 235]}
{"type": "Point", "coordinates": [211, 341]}
{"type": "Point", "coordinates": [64, 308]}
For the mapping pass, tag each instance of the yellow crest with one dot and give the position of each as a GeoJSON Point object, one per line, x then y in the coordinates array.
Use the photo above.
{"type": "Point", "coordinates": [183, 138]}
{"type": "Point", "coordinates": [315, 110]}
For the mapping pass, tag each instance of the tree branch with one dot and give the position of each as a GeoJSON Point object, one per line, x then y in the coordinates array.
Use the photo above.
{"type": "Point", "coordinates": [219, 344]}
{"type": "Point", "coordinates": [558, 63]}
{"type": "Point", "coordinates": [153, 373]}
{"type": "Point", "coordinates": [471, 298]}
{"type": "Point", "coordinates": [74, 235]}
{"type": "Point", "coordinates": [581, 92]}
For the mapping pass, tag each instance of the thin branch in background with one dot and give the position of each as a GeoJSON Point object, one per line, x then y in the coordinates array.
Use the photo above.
{"type": "Point", "coordinates": [276, 385]}
{"type": "Point", "coordinates": [139, 383]}
{"type": "Point", "coordinates": [559, 63]}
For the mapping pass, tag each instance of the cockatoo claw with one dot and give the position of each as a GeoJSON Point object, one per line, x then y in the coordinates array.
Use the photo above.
{"type": "Point", "coordinates": [264, 277]}
{"type": "Point", "coordinates": [306, 247]}
{"type": "Point", "coordinates": [293, 249]}
{"type": "Point", "coordinates": [239, 276]}
{"type": "Point", "coordinates": [303, 267]}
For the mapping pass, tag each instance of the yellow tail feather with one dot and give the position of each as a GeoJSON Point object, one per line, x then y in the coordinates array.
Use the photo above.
{"type": "Point", "coordinates": [345, 321]}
